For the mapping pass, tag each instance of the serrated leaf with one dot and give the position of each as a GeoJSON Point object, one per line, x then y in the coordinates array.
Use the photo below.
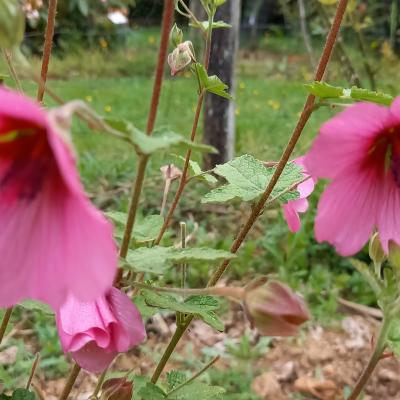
{"type": "Point", "coordinates": [215, 25]}
{"type": "Point", "coordinates": [371, 96]}
{"type": "Point", "coordinates": [33, 305]}
{"type": "Point", "coordinates": [146, 229]}
{"type": "Point", "coordinates": [161, 140]}
{"type": "Point", "coordinates": [199, 391]}
{"type": "Point", "coordinates": [248, 178]}
{"type": "Point", "coordinates": [145, 310]}
{"type": "Point", "coordinates": [158, 259]}
{"type": "Point", "coordinates": [152, 392]}
{"type": "Point", "coordinates": [212, 83]}
{"type": "Point", "coordinates": [324, 90]}
{"type": "Point", "coordinates": [202, 307]}
{"type": "Point", "coordinates": [175, 378]}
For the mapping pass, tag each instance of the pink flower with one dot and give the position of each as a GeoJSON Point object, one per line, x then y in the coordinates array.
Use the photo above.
{"type": "Point", "coordinates": [359, 152]}
{"type": "Point", "coordinates": [273, 308]}
{"type": "Point", "coordinates": [52, 240]}
{"type": "Point", "coordinates": [292, 208]}
{"type": "Point", "coordinates": [95, 332]}
{"type": "Point", "coordinates": [181, 57]}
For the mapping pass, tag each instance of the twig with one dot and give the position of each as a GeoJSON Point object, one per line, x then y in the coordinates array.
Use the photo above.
{"type": "Point", "coordinates": [33, 371]}
{"type": "Point", "coordinates": [5, 322]}
{"type": "Point", "coordinates": [70, 382]}
{"type": "Point", "coordinates": [8, 57]}
{"type": "Point", "coordinates": [360, 308]}
{"type": "Point", "coordinates": [305, 115]}
{"type": "Point", "coordinates": [48, 44]}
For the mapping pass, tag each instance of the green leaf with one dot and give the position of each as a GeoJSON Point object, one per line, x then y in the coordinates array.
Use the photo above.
{"type": "Point", "coordinates": [145, 310]}
{"type": "Point", "coordinates": [248, 178]}
{"type": "Point", "coordinates": [200, 306]}
{"type": "Point", "coordinates": [152, 392]}
{"type": "Point", "coordinates": [175, 378]}
{"type": "Point", "coordinates": [33, 305]}
{"type": "Point", "coordinates": [146, 229]}
{"type": "Point", "coordinates": [373, 97]}
{"type": "Point", "coordinates": [158, 259]}
{"type": "Point", "coordinates": [394, 336]}
{"type": "Point", "coordinates": [19, 394]}
{"type": "Point", "coordinates": [161, 140]}
{"type": "Point", "coordinates": [197, 171]}
{"type": "Point", "coordinates": [199, 391]}
{"type": "Point", "coordinates": [326, 91]}
{"type": "Point", "coordinates": [212, 83]}
{"type": "Point", "coordinates": [215, 25]}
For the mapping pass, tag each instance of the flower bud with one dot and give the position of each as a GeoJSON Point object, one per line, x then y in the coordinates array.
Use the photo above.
{"type": "Point", "coordinates": [12, 24]}
{"type": "Point", "coordinates": [376, 252]}
{"type": "Point", "coordinates": [176, 36]}
{"type": "Point", "coordinates": [394, 254]}
{"type": "Point", "coordinates": [181, 57]}
{"type": "Point", "coordinates": [117, 389]}
{"type": "Point", "coordinates": [273, 308]}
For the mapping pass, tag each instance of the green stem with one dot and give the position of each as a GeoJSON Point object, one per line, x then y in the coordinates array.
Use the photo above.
{"type": "Point", "coordinates": [100, 382]}
{"type": "Point", "coordinates": [374, 360]}
{"type": "Point", "coordinates": [4, 323]}
{"type": "Point", "coordinates": [8, 57]}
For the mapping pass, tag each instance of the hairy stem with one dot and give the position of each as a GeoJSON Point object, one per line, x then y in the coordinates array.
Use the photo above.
{"type": "Point", "coordinates": [372, 363]}
{"type": "Point", "coordinates": [4, 323]}
{"type": "Point", "coordinates": [70, 382]}
{"type": "Point", "coordinates": [183, 178]}
{"type": "Point", "coordinates": [48, 44]}
{"type": "Point", "coordinates": [305, 115]}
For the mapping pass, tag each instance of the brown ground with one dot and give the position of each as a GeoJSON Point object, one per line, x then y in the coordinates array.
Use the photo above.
{"type": "Point", "coordinates": [320, 363]}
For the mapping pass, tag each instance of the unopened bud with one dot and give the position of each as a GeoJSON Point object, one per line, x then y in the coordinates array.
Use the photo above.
{"type": "Point", "coordinates": [274, 309]}
{"type": "Point", "coordinates": [376, 252]}
{"type": "Point", "coordinates": [176, 36]}
{"type": "Point", "coordinates": [12, 24]}
{"type": "Point", "coordinates": [394, 254]}
{"type": "Point", "coordinates": [181, 57]}
{"type": "Point", "coordinates": [117, 389]}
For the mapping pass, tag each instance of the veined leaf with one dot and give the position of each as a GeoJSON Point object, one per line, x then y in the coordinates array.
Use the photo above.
{"type": "Point", "coordinates": [151, 392]}
{"type": "Point", "coordinates": [161, 140]}
{"type": "Point", "coordinates": [248, 178]}
{"type": "Point", "coordinates": [212, 83]}
{"type": "Point", "coordinates": [197, 171]}
{"type": "Point", "coordinates": [199, 391]}
{"type": "Point", "coordinates": [200, 306]}
{"type": "Point", "coordinates": [158, 259]}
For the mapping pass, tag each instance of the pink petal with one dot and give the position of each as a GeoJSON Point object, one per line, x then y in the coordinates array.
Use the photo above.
{"type": "Point", "coordinates": [94, 359]}
{"type": "Point", "coordinates": [131, 327]}
{"type": "Point", "coordinates": [344, 140]}
{"type": "Point", "coordinates": [291, 217]}
{"type": "Point", "coordinates": [347, 212]}
{"type": "Point", "coordinates": [388, 215]}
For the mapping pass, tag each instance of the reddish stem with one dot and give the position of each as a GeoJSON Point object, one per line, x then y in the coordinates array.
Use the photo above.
{"type": "Point", "coordinates": [48, 44]}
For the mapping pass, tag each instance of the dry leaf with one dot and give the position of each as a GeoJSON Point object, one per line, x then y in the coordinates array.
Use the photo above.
{"type": "Point", "coordinates": [321, 389]}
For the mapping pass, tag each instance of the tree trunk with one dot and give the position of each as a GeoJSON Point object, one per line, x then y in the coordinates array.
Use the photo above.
{"type": "Point", "coordinates": [219, 120]}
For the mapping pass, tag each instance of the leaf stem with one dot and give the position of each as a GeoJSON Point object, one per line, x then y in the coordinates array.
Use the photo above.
{"type": "Point", "coordinates": [8, 57]}
{"type": "Point", "coordinates": [48, 44]}
{"type": "Point", "coordinates": [194, 377]}
{"type": "Point", "coordinates": [374, 360]}
{"type": "Point", "coordinates": [4, 323]}
{"type": "Point", "coordinates": [305, 115]}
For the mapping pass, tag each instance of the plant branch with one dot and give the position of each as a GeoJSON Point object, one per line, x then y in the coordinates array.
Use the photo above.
{"type": "Point", "coordinates": [305, 115]}
{"type": "Point", "coordinates": [8, 57]}
{"type": "Point", "coordinates": [168, 16]}
{"type": "Point", "coordinates": [48, 44]}
{"type": "Point", "coordinates": [4, 323]}
{"type": "Point", "coordinates": [374, 360]}
{"type": "Point", "coordinates": [70, 382]}
{"type": "Point", "coordinates": [183, 178]}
